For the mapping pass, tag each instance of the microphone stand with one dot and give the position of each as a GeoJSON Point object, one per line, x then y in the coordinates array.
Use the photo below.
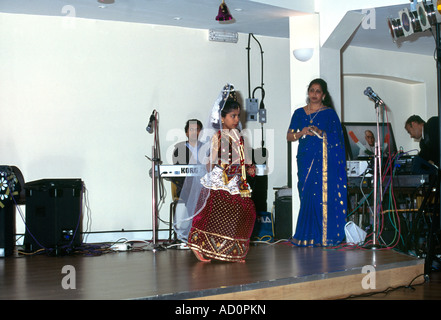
{"type": "Point", "coordinates": [156, 161]}
{"type": "Point", "coordinates": [377, 179]}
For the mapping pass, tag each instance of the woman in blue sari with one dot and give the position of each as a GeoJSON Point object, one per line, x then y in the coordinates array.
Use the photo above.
{"type": "Point", "coordinates": [321, 163]}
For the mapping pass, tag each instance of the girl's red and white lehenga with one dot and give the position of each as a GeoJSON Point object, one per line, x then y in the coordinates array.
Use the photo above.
{"type": "Point", "coordinates": [225, 212]}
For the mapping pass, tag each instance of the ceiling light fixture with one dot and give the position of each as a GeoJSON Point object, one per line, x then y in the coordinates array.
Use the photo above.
{"type": "Point", "coordinates": [106, 1]}
{"type": "Point", "coordinates": [224, 13]}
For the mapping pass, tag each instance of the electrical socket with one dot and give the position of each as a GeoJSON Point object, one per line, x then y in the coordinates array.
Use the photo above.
{"type": "Point", "coordinates": [252, 106]}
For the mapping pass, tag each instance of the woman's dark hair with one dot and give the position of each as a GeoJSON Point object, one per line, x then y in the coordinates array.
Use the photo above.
{"type": "Point", "coordinates": [327, 101]}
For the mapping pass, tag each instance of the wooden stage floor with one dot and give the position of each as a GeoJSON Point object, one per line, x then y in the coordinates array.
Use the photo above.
{"type": "Point", "coordinates": [271, 272]}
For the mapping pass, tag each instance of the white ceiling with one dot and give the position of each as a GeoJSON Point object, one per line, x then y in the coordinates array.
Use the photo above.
{"type": "Point", "coordinates": [249, 17]}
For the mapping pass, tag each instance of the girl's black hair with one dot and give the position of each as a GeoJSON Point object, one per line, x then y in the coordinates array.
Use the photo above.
{"type": "Point", "coordinates": [229, 106]}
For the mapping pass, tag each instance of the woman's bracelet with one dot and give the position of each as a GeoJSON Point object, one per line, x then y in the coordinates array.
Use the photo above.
{"type": "Point", "coordinates": [294, 135]}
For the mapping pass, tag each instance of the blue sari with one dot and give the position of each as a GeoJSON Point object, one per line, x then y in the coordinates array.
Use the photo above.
{"type": "Point", "coordinates": [322, 180]}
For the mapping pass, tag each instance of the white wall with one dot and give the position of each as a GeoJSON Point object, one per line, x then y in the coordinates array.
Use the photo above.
{"type": "Point", "coordinates": [76, 98]}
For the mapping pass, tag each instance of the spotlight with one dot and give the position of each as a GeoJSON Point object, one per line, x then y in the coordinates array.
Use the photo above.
{"type": "Point", "coordinates": [422, 14]}
{"type": "Point", "coordinates": [224, 13]}
{"type": "Point", "coordinates": [405, 18]}
{"type": "Point", "coordinates": [395, 28]}
{"type": "Point", "coordinates": [415, 21]}
{"type": "Point", "coordinates": [410, 21]}
{"type": "Point", "coordinates": [428, 11]}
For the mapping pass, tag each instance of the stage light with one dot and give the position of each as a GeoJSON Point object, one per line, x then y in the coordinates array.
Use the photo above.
{"type": "Point", "coordinates": [415, 21]}
{"type": "Point", "coordinates": [395, 28]}
{"type": "Point", "coordinates": [421, 17]}
{"type": "Point", "coordinates": [224, 13]}
{"type": "Point", "coordinates": [431, 15]}
{"type": "Point", "coordinates": [406, 24]}
{"type": "Point", "coordinates": [422, 14]}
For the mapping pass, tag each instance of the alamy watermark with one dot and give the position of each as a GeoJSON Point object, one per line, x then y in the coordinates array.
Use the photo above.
{"type": "Point", "coordinates": [68, 282]}
{"type": "Point", "coordinates": [370, 19]}
{"type": "Point", "coordinates": [369, 280]}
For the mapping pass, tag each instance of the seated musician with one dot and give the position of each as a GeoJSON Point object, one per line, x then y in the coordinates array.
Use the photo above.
{"type": "Point", "coordinates": [427, 133]}
{"type": "Point", "coordinates": [186, 152]}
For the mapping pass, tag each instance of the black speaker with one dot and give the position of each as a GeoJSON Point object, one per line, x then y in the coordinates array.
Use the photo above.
{"type": "Point", "coordinates": [53, 215]}
{"type": "Point", "coordinates": [259, 183]}
{"type": "Point", "coordinates": [283, 214]}
{"type": "Point", "coordinates": [7, 230]}
{"type": "Point", "coordinates": [11, 194]}
{"type": "Point", "coordinates": [259, 187]}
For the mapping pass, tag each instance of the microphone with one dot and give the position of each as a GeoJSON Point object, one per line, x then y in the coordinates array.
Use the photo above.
{"type": "Point", "coordinates": [371, 94]}
{"type": "Point", "coordinates": [150, 125]}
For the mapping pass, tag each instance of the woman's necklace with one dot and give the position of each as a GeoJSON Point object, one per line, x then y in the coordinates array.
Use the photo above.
{"type": "Point", "coordinates": [311, 120]}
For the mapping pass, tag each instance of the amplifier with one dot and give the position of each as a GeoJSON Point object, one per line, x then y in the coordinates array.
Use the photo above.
{"type": "Point", "coordinates": [403, 165]}
{"type": "Point", "coordinates": [399, 181]}
{"type": "Point", "coordinates": [408, 180]}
